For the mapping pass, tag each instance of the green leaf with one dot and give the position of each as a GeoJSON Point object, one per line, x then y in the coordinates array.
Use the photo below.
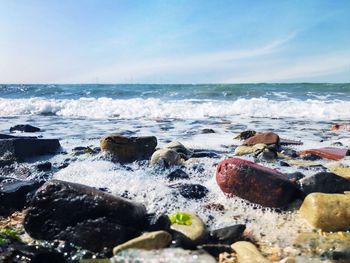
{"type": "Point", "coordinates": [180, 218]}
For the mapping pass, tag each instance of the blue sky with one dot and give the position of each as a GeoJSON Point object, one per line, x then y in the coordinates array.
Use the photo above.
{"type": "Point", "coordinates": [111, 41]}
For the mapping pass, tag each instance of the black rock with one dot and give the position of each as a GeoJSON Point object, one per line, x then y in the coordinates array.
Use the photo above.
{"type": "Point", "coordinates": [339, 144]}
{"type": "Point", "coordinates": [290, 152]}
{"type": "Point", "coordinates": [46, 166]}
{"type": "Point", "coordinates": [295, 176]}
{"type": "Point", "coordinates": [22, 148]}
{"type": "Point", "coordinates": [311, 157]}
{"type": "Point", "coordinates": [181, 241]}
{"type": "Point", "coordinates": [158, 222]}
{"type": "Point", "coordinates": [284, 164]}
{"type": "Point", "coordinates": [202, 154]}
{"type": "Point", "coordinates": [246, 135]}
{"type": "Point", "coordinates": [177, 175]}
{"type": "Point", "coordinates": [206, 131]}
{"type": "Point", "coordinates": [21, 253]}
{"type": "Point", "coordinates": [14, 194]}
{"type": "Point", "coordinates": [83, 215]}
{"type": "Point", "coordinates": [227, 235]}
{"type": "Point", "coordinates": [324, 183]}
{"type": "Point", "coordinates": [24, 128]}
{"type": "Point", "coordinates": [192, 191]}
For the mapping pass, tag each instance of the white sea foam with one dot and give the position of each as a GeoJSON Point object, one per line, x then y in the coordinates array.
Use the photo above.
{"type": "Point", "coordinates": [185, 109]}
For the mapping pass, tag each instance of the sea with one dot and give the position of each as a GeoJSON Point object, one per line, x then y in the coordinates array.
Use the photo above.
{"type": "Point", "coordinates": [80, 114]}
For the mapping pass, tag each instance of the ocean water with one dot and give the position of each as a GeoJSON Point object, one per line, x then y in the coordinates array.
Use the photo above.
{"type": "Point", "coordinates": [79, 115]}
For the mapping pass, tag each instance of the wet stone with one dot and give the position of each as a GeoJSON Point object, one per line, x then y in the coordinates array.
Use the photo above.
{"type": "Point", "coordinates": [24, 128]}
{"type": "Point", "coordinates": [207, 131]}
{"type": "Point", "coordinates": [227, 235]}
{"type": "Point", "coordinates": [177, 174]}
{"type": "Point", "coordinates": [192, 191]}
{"type": "Point", "coordinates": [43, 167]}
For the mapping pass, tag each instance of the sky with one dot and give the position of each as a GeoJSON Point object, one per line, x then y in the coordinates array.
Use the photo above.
{"type": "Point", "coordinates": [168, 41]}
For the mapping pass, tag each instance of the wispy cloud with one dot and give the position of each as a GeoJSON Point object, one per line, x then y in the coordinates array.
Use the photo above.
{"type": "Point", "coordinates": [139, 69]}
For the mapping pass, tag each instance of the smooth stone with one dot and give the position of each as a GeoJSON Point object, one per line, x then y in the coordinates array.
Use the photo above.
{"type": "Point", "coordinates": [204, 154]}
{"type": "Point", "coordinates": [181, 241]}
{"type": "Point", "coordinates": [255, 183]}
{"type": "Point", "coordinates": [325, 245]}
{"type": "Point", "coordinates": [177, 174]}
{"type": "Point", "coordinates": [303, 163]}
{"type": "Point", "coordinates": [265, 138]}
{"type": "Point", "coordinates": [179, 148]}
{"type": "Point", "coordinates": [158, 222]}
{"type": "Point", "coordinates": [311, 157]}
{"type": "Point", "coordinates": [147, 241]}
{"type": "Point", "coordinates": [128, 149]}
{"type": "Point", "coordinates": [290, 153]}
{"type": "Point", "coordinates": [227, 235]}
{"type": "Point", "coordinates": [248, 253]}
{"type": "Point", "coordinates": [283, 164]}
{"type": "Point", "coordinates": [245, 135]}
{"type": "Point", "coordinates": [83, 215]}
{"type": "Point", "coordinates": [166, 157]}
{"type": "Point", "coordinates": [196, 231]}
{"type": "Point", "coordinates": [27, 147]}
{"type": "Point", "coordinates": [329, 212]}
{"type": "Point", "coordinates": [14, 194]}
{"type": "Point", "coordinates": [24, 128]}
{"type": "Point", "coordinates": [331, 153]}
{"type": "Point", "coordinates": [324, 183]}
{"type": "Point", "coordinates": [168, 255]}
{"type": "Point", "coordinates": [244, 149]}
{"type": "Point", "coordinates": [340, 169]}
{"type": "Point", "coordinates": [266, 154]}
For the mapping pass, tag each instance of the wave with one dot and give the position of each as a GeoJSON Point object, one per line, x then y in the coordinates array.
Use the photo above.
{"type": "Point", "coordinates": [183, 109]}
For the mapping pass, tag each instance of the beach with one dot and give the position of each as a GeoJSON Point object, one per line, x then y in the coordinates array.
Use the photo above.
{"type": "Point", "coordinates": [206, 120]}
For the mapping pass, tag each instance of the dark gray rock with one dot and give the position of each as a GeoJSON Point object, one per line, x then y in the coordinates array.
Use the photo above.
{"type": "Point", "coordinates": [158, 222]}
{"type": "Point", "coordinates": [191, 191]}
{"type": "Point", "coordinates": [295, 176]}
{"type": "Point", "coordinates": [202, 154]}
{"type": "Point", "coordinates": [83, 215]}
{"type": "Point", "coordinates": [24, 128]}
{"type": "Point", "coordinates": [227, 235]}
{"type": "Point", "coordinates": [22, 148]}
{"type": "Point", "coordinates": [207, 131]}
{"type": "Point", "coordinates": [43, 167]}
{"type": "Point", "coordinates": [246, 135]}
{"type": "Point", "coordinates": [216, 249]}
{"type": "Point", "coordinates": [14, 194]}
{"type": "Point", "coordinates": [290, 152]}
{"type": "Point", "coordinates": [18, 252]}
{"type": "Point", "coordinates": [311, 157]}
{"type": "Point", "coordinates": [324, 182]}
{"type": "Point", "coordinates": [178, 174]}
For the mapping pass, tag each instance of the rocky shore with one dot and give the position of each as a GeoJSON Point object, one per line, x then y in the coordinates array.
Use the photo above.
{"type": "Point", "coordinates": [46, 219]}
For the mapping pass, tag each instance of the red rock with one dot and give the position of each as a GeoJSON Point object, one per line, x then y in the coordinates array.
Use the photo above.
{"type": "Point", "coordinates": [331, 153]}
{"type": "Point", "coordinates": [255, 183]}
{"type": "Point", "coordinates": [265, 138]}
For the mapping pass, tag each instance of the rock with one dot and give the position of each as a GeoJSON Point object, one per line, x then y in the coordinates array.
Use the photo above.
{"type": "Point", "coordinates": [245, 135]}
{"type": "Point", "coordinates": [266, 154]}
{"type": "Point", "coordinates": [203, 154]}
{"type": "Point", "coordinates": [326, 245]}
{"type": "Point", "coordinates": [290, 153]}
{"type": "Point", "coordinates": [177, 174]}
{"type": "Point", "coordinates": [216, 249]}
{"type": "Point", "coordinates": [168, 255]}
{"type": "Point", "coordinates": [255, 183]}
{"type": "Point", "coordinates": [83, 215]}
{"type": "Point", "coordinates": [128, 149]}
{"type": "Point", "coordinates": [248, 253]}
{"type": "Point", "coordinates": [295, 176]}
{"type": "Point", "coordinates": [18, 252]}
{"type": "Point", "coordinates": [311, 157]}
{"type": "Point", "coordinates": [195, 231]}
{"type": "Point", "coordinates": [265, 138]}
{"type": "Point", "coordinates": [207, 131]}
{"type": "Point", "coordinates": [24, 128]}
{"type": "Point", "coordinates": [340, 127]}
{"type": "Point", "coordinates": [303, 163]}
{"type": "Point", "coordinates": [166, 157]}
{"type": "Point", "coordinates": [227, 258]}
{"type": "Point", "coordinates": [180, 149]}
{"type": "Point", "coordinates": [227, 235]}
{"type": "Point", "coordinates": [80, 150]}
{"type": "Point", "coordinates": [147, 241]}
{"type": "Point", "coordinates": [289, 142]}
{"type": "Point", "coordinates": [340, 169]}
{"type": "Point", "coordinates": [283, 164]}
{"type": "Point", "coordinates": [329, 212]}
{"type": "Point", "coordinates": [244, 149]}
{"type": "Point", "coordinates": [43, 167]}
{"type": "Point", "coordinates": [324, 183]}
{"type": "Point", "coordinates": [331, 153]}
{"type": "Point", "coordinates": [192, 191]}
{"type": "Point", "coordinates": [288, 260]}
{"type": "Point", "coordinates": [158, 222]}
{"type": "Point", "coordinates": [14, 193]}
{"type": "Point", "coordinates": [27, 147]}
